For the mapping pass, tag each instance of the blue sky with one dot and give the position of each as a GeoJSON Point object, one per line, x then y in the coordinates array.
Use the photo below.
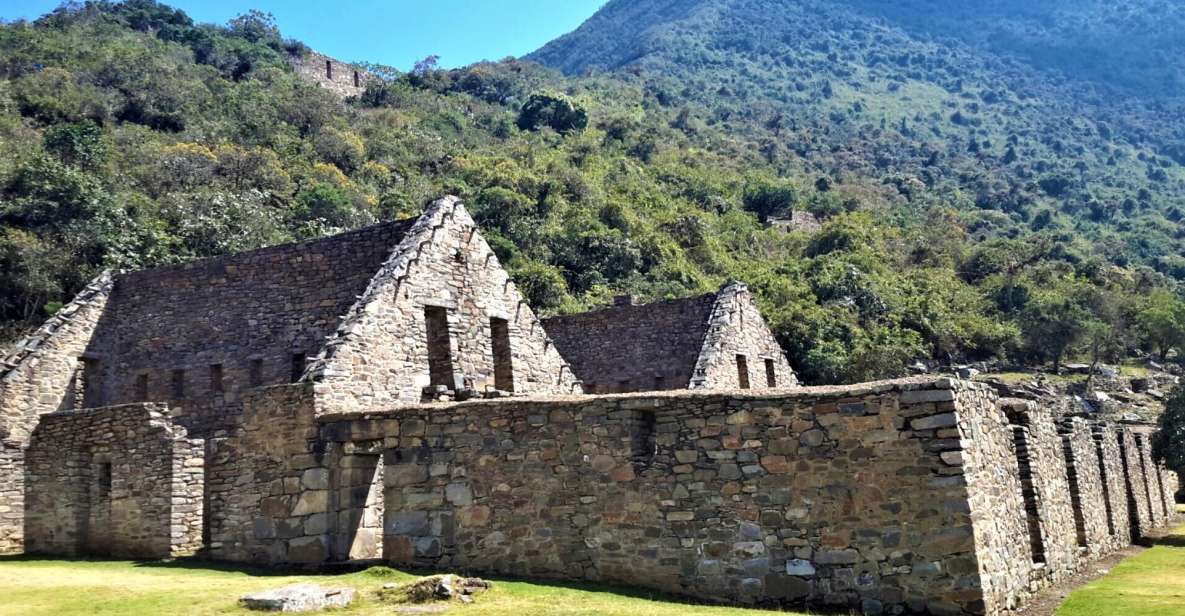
{"type": "Point", "coordinates": [394, 32]}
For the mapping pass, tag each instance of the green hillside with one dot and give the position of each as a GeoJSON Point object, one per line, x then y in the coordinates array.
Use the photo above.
{"type": "Point", "coordinates": [964, 216]}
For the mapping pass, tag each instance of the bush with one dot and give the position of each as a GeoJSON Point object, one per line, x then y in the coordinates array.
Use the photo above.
{"type": "Point", "coordinates": [555, 111]}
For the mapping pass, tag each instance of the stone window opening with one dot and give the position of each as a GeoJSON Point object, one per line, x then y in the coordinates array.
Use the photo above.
{"type": "Point", "coordinates": [88, 393]}
{"type": "Point", "coordinates": [643, 444]}
{"type": "Point", "coordinates": [142, 387]}
{"type": "Point", "coordinates": [440, 354]}
{"type": "Point", "coordinates": [743, 371]}
{"type": "Point", "coordinates": [103, 480]}
{"type": "Point", "coordinates": [179, 384]}
{"type": "Point", "coordinates": [503, 356]}
{"type": "Point", "coordinates": [1075, 493]}
{"type": "Point", "coordinates": [357, 80]}
{"type": "Point", "coordinates": [216, 378]}
{"type": "Point", "coordinates": [329, 69]}
{"type": "Point", "coordinates": [624, 386]}
{"type": "Point", "coordinates": [771, 373]}
{"type": "Point", "coordinates": [660, 382]}
{"type": "Point", "coordinates": [298, 366]}
{"type": "Point", "coordinates": [255, 372]}
{"type": "Point", "coordinates": [1020, 438]}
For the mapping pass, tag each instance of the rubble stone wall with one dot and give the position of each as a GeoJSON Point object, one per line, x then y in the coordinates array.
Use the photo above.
{"type": "Point", "coordinates": [342, 79]}
{"type": "Point", "coordinates": [1088, 495]}
{"type": "Point", "coordinates": [737, 329]}
{"type": "Point", "coordinates": [119, 481]}
{"type": "Point", "coordinates": [38, 375]}
{"type": "Point", "coordinates": [268, 496]}
{"type": "Point", "coordinates": [381, 355]}
{"type": "Point", "coordinates": [1139, 508]}
{"type": "Point", "coordinates": [12, 497]}
{"type": "Point", "coordinates": [1115, 482]}
{"type": "Point", "coordinates": [843, 497]}
{"type": "Point", "coordinates": [245, 313]}
{"type": "Point", "coordinates": [1157, 508]}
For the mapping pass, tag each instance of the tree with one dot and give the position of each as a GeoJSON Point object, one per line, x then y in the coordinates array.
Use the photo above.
{"type": "Point", "coordinates": [768, 198]}
{"type": "Point", "coordinates": [1168, 442]}
{"type": "Point", "coordinates": [1055, 322]}
{"type": "Point", "coordinates": [555, 111]}
{"type": "Point", "coordinates": [79, 144]}
{"type": "Point", "coordinates": [1162, 322]}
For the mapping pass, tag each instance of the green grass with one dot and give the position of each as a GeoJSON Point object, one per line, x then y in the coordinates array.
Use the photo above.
{"type": "Point", "coordinates": [42, 587]}
{"type": "Point", "coordinates": [1150, 584]}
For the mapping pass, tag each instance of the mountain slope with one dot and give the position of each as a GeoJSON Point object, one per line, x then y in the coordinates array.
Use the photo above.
{"type": "Point", "coordinates": [996, 117]}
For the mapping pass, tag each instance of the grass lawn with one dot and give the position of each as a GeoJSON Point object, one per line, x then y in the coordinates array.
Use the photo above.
{"type": "Point", "coordinates": [1151, 584]}
{"type": "Point", "coordinates": [31, 587]}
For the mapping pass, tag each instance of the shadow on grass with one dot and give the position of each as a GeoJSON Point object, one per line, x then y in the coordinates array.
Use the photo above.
{"type": "Point", "coordinates": [1173, 541]}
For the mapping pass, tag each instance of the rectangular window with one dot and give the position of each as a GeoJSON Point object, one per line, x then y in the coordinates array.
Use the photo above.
{"type": "Point", "coordinates": [142, 388]}
{"type": "Point", "coordinates": [255, 372]}
{"type": "Point", "coordinates": [624, 386]}
{"type": "Point", "coordinates": [743, 371]}
{"type": "Point", "coordinates": [329, 69]}
{"type": "Point", "coordinates": [503, 358]}
{"type": "Point", "coordinates": [92, 383]}
{"type": "Point", "coordinates": [216, 378]}
{"type": "Point", "coordinates": [771, 373]}
{"type": "Point", "coordinates": [357, 80]}
{"type": "Point", "coordinates": [660, 382]}
{"type": "Point", "coordinates": [440, 354]}
{"type": "Point", "coordinates": [103, 479]}
{"type": "Point", "coordinates": [298, 362]}
{"type": "Point", "coordinates": [178, 384]}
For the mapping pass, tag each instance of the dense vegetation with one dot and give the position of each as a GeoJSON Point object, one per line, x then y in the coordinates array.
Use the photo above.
{"type": "Point", "coordinates": [954, 225]}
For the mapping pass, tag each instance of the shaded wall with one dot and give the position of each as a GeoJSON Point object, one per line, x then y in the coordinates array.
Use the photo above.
{"type": "Point", "coordinates": [12, 497]}
{"type": "Point", "coordinates": [118, 481]}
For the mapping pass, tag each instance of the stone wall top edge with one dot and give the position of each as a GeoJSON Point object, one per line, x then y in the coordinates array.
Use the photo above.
{"type": "Point", "coordinates": [643, 399]}
{"type": "Point", "coordinates": [208, 262]}
{"type": "Point", "coordinates": [118, 408]}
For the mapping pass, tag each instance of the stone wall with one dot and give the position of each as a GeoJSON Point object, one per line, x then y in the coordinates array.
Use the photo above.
{"type": "Point", "coordinates": [628, 347]}
{"type": "Point", "coordinates": [1157, 508]}
{"type": "Point", "coordinates": [253, 315]}
{"type": "Point", "coordinates": [1111, 467]}
{"type": "Point", "coordinates": [342, 79]}
{"type": "Point", "coordinates": [1139, 508]}
{"type": "Point", "coordinates": [12, 497]}
{"type": "Point", "coordinates": [840, 498]}
{"type": "Point", "coordinates": [121, 481]}
{"type": "Point", "coordinates": [381, 355]}
{"type": "Point", "coordinates": [1095, 532]}
{"type": "Point", "coordinates": [268, 487]}
{"type": "Point", "coordinates": [736, 329]}
{"type": "Point", "coordinates": [40, 373]}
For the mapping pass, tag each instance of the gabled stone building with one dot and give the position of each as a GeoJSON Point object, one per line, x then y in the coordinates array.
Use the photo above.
{"type": "Point", "coordinates": [714, 341]}
{"type": "Point", "coordinates": [407, 311]}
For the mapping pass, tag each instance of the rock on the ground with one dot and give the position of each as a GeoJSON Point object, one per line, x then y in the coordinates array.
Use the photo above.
{"type": "Point", "coordinates": [298, 598]}
{"type": "Point", "coordinates": [442, 588]}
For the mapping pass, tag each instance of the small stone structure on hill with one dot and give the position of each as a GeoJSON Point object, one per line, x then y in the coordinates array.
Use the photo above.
{"type": "Point", "coordinates": [341, 78]}
{"type": "Point", "coordinates": [387, 394]}
{"type": "Point", "coordinates": [715, 341]}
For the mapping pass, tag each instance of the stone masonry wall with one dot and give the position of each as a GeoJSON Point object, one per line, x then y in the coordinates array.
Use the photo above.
{"type": "Point", "coordinates": [244, 313]}
{"type": "Point", "coordinates": [1139, 508]}
{"type": "Point", "coordinates": [381, 354]}
{"type": "Point", "coordinates": [1159, 513]}
{"type": "Point", "coordinates": [336, 76]}
{"type": "Point", "coordinates": [1112, 468]}
{"type": "Point", "coordinates": [1094, 532]}
{"type": "Point", "coordinates": [840, 498]}
{"type": "Point", "coordinates": [627, 348]}
{"type": "Point", "coordinates": [118, 481]}
{"type": "Point", "coordinates": [736, 328]}
{"type": "Point", "coordinates": [267, 496]}
{"type": "Point", "coordinates": [12, 497]}
{"type": "Point", "coordinates": [38, 374]}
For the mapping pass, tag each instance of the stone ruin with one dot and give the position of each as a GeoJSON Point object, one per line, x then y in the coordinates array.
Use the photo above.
{"type": "Point", "coordinates": [387, 396]}
{"type": "Point", "coordinates": [341, 78]}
